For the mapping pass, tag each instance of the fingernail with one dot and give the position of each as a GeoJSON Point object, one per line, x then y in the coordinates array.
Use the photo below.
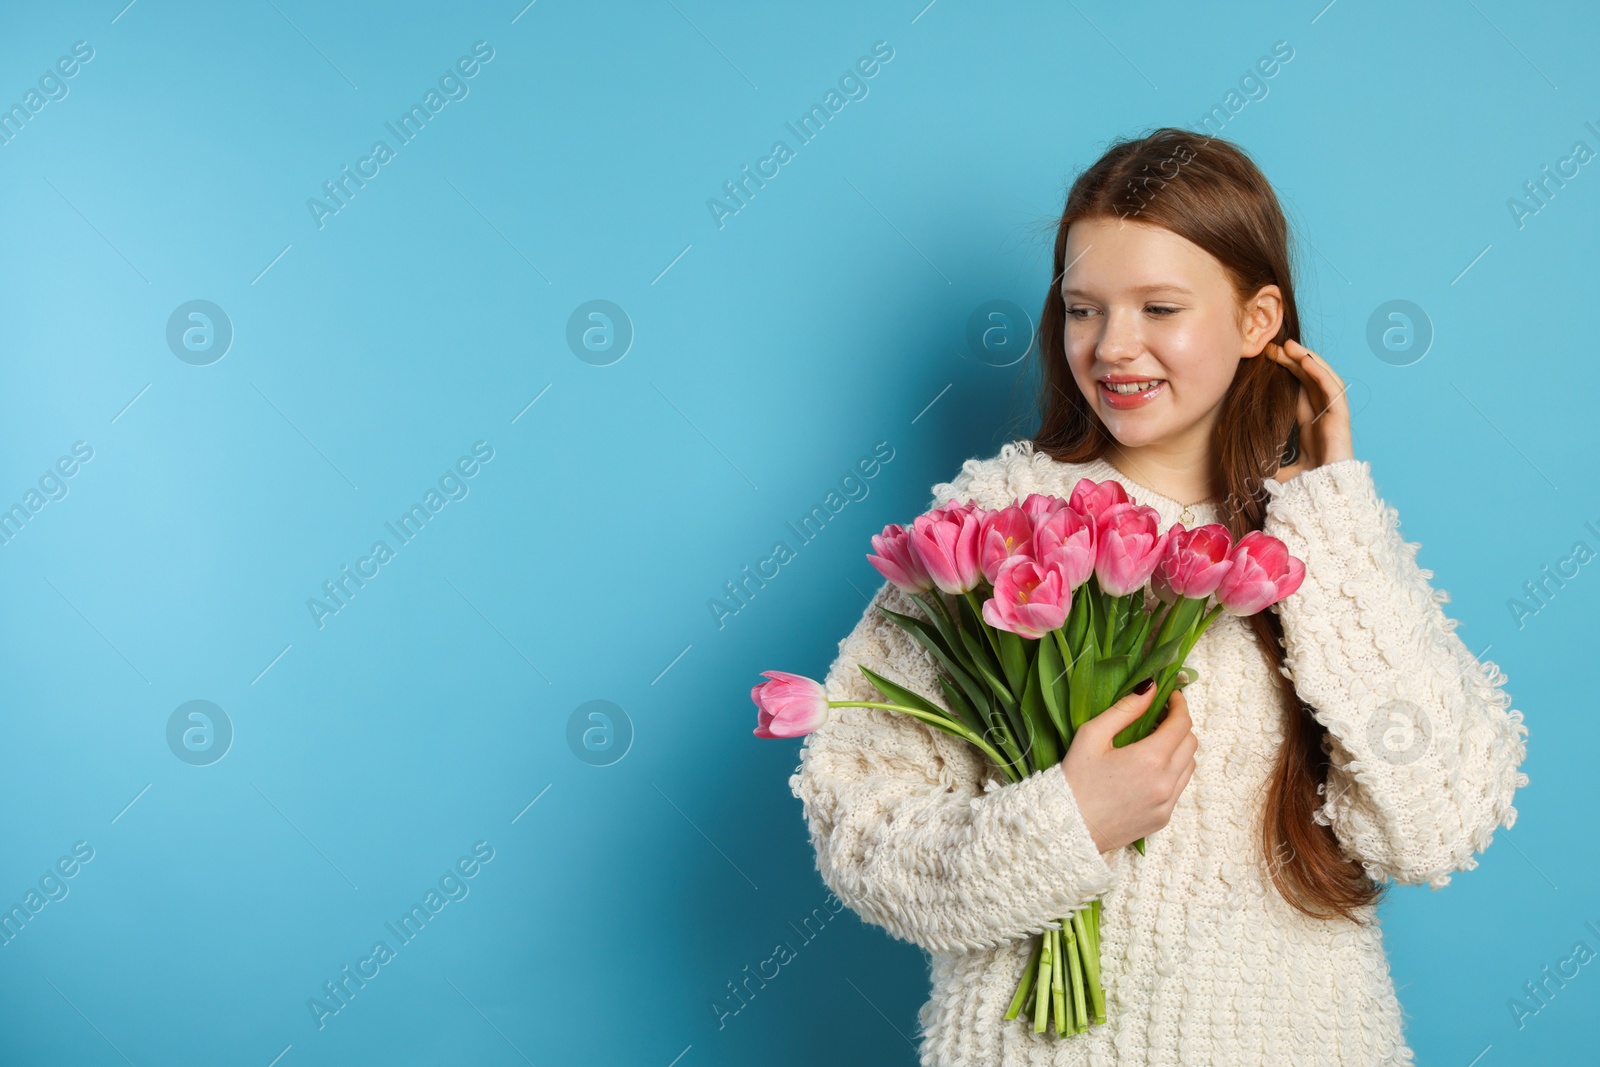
{"type": "Point", "coordinates": [1144, 687]}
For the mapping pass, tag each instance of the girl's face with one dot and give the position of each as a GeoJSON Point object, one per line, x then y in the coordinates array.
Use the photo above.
{"type": "Point", "coordinates": [1144, 305]}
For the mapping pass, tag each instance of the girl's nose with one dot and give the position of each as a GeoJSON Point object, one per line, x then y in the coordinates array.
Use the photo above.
{"type": "Point", "coordinates": [1119, 337]}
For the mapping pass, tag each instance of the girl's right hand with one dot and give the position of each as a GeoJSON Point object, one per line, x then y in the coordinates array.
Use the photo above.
{"type": "Point", "coordinates": [1128, 793]}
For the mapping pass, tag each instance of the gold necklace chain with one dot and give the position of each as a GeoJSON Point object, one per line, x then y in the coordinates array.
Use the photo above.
{"type": "Point", "coordinates": [1187, 517]}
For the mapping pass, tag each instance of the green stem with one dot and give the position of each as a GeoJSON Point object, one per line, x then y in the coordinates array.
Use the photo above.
{"type": "Point", "coordinates": [1016, 763]}
{"type": "Point", "coordinates": [1094, 935]}
{"type": "Point", "coordinates": [1165, 680]}
{"type": "Point", "coordinates": [1136, 646]}
{"type": "Point", "coordinates": [1025, 986]}
{"type": "Point", "coordinates": [1072, 979]}
{"type": "Point", "coordinates": [1058, 984]}
{"type": "Point", "coordinates": [1041, 1004]}
{"type": "Point", "coordinates": [977, 611]}
{"type": "Point", "coordinates": [949, 726]}
{"type": "Point", "coordinates": [1164, 631]}
{"type": "Point", "coordinates": [1111, 611]}
{"type": "Point", "coordinates": [1066, 652]}
{"type": "Point", "coordinates": [1091, 595]}
{"type": "Point", "coordinates": [1204, 622]}
{"type": "Point", "coordinates": [1090, 951]}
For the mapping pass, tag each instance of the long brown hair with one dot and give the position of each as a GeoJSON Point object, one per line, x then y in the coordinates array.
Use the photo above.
{"type": "Point", "coordinates": [1210, 192]}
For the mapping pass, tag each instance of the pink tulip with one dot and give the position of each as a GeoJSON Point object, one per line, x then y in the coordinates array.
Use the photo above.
{"type": "Point", "coordinates": [1039, 506]}
{"type": "Point", "coordinates": [946, 540]}
{"type": "Point", "coordinates": [1001, 535]}
{"type": "Point", "coordinates": [1262, 574]}
{"type": "Point", "coordinates": [789, 705]}
{"type": "Point", "coordinates": [1066, 538]}
{"type": "Point", "coordinates": [897, 560]}
{"type": "Point", "coordinates": [1130, 545]}
{"type": "Point", "coordinates": [1093, 499]}
{"type": "Point", "coordinates": [1029, 600]}
{"type": "Point", "coordinates": [1194, 563]}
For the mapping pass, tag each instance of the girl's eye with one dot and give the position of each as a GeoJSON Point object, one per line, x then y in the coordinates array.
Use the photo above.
{"type": "Point", "coordinates": [1081, 313]}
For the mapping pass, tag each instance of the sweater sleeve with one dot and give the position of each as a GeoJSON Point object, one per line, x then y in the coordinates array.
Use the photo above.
{"type": "Point", "coordinates": [918, 831]}
{"type": "Point", "coordinates": [1423, 746]}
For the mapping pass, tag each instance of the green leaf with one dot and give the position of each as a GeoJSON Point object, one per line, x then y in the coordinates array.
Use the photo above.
{"type": "Point", "coordinates": [1046, 749]}
{"type": "Point", "coordinates": [1106, 622]}
{"type": "Point", "coordinates": [899, 694]}
{"type": "Point", "coordinates": [1010, 710]}
{"type": "Point", "coordinates": [941, 720]}
{"type": "Point", "coordinates": [1132, 637]}
{"type": "Point", "coordinates": [963, 707]}
{"type": "Point", "coordinates": [1097, 622]}
{"type": "Point", "coordinates": [1142, 727]}
{"type": "Point", "coordinates": [984, 666]}
{"type": "Point", "coordinates": [1153, 663]}
{"type": "Point", "coordinates": [1013, 659]}
{"type": "Point", "coordinates": [1174, 631]}
{"type": "Point", "coordinates": [1080, 694]}
{"type": "Point", "coordinates": [922, 629]}
{"type": "Point", "coordinates": [1109, 675]}
{"type": "Point", "coordinates": [1078, 617]}
{"type": "Point", "coordinates": [978, 661]}
{"type": "Point", "coordinates": [981, 662]}
{"type": "Point", "coordinates": [1018, 727]}
{"type": "Point", "coordinates": [972, 625]}
{"type": "Point", "coordinates": [976, 691]}
{"type": "Point", "coordinates": [941, 623]}
{"type": "Point", "coordinates": [1053, 682]}
{"type": "Point", "coordinates": [969, 618]}
{"type": "Point", "coordinates": [1070, 666]}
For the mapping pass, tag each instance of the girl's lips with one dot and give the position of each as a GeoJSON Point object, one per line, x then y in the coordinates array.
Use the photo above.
{"type": "Point", "coordinates": [1137, 400]}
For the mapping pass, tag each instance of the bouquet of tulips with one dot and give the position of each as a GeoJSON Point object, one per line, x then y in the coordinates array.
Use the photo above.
{"type": "Point", "coordinates": [1038, 615]}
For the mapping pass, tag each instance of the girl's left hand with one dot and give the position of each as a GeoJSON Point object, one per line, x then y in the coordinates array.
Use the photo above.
{"type": "Point", "coordinates": [1321, 410]}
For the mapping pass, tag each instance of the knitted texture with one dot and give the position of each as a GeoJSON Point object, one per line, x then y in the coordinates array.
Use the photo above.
{"type": "Point", "coordinates": [1202, 961]}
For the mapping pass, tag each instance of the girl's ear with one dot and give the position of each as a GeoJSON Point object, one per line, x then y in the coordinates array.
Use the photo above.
{"type": "Point", "coordinates": [1263, 317]}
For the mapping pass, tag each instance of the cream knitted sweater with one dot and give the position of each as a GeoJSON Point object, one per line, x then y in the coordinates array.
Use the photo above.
{"type": "Point", "coordinates": [1203, 962]}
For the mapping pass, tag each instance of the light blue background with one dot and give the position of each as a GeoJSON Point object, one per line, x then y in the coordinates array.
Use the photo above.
{"type": "Point", "coordinates": [769, 356]}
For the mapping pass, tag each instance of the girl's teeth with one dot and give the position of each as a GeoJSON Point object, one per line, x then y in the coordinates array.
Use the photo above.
{"type": "Point", "coordinates": [1130, 388]}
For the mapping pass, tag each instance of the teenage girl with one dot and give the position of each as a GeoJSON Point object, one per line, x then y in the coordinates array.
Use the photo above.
{"type": "Point", "coordinates": [1344, 737]}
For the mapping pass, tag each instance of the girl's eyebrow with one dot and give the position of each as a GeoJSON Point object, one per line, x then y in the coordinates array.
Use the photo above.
{"type": "Point", "coordinates": [1153, 287]}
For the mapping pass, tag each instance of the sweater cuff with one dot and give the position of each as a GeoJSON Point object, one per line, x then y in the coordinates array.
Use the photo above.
{"type": "Point", "coordinates": [1336, 500]}
{"type": "Point", "coordinates": [1338, 492]}
{"type": "Point", "coordinates": [1049, 795]}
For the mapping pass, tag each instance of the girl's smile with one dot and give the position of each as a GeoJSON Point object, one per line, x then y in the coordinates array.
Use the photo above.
{"type": "Point", "coordinates": [1123, 393]}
